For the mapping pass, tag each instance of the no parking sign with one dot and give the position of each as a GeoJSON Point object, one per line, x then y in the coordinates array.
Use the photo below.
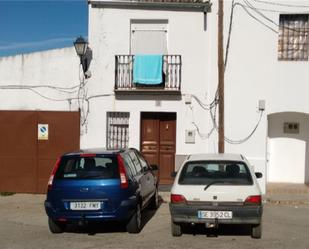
{"type": "Point", "coordinates": [42, 131]}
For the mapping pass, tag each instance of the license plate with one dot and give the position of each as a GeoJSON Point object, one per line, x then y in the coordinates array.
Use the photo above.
{"type": "Point", "coordinates": [85, 205]}
{"type": "Point", "coordinates": [220, 215]}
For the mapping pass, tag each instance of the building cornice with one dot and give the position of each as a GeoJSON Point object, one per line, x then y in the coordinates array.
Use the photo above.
{"type": "Point", "coordinates": [172, 6]}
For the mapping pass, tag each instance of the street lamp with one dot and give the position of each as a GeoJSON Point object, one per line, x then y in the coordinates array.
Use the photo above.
{"type": "Point", "coordinates": [81, 46]}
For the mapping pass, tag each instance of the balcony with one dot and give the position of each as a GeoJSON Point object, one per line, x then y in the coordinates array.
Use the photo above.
{"type": "Point", "coordinates": [124, 76]}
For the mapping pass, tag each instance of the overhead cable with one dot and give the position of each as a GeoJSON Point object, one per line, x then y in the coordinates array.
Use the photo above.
{"type": "Point", "coordinates": [282, 4]}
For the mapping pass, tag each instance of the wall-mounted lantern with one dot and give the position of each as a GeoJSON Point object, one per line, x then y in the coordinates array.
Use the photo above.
{"type": "Point", "coordinates": [81, 46]}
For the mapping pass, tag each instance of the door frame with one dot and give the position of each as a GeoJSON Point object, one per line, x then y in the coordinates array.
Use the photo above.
{"type": "Point", "coordinates": [160, 116]}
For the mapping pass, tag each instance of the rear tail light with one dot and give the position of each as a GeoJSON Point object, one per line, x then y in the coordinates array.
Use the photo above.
{"type": "Point", "coordinates": [51, 178]}
{"type": "Point", "coordinates": [178, 199]}
{"type": "Point", "coordinates": [253, 200]}
{"type": "Point", "coordinates": [124, 183]}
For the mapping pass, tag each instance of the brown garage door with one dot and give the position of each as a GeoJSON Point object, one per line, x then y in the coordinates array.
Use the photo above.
{"type": "Point", "coordinates": [26, 159]}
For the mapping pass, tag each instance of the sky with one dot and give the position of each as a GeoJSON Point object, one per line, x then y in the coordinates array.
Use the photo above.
{"type": "Point", "coordinates": [36, 25]}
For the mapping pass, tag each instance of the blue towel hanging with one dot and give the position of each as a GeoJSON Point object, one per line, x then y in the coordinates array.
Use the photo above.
{"type": "Point", "coordinates": [147, 69]}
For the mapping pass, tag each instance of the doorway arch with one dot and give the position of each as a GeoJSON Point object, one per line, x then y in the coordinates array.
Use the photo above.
{"type": "Point", "coordinates": [287, 150]}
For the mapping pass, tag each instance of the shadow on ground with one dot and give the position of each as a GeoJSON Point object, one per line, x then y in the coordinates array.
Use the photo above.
{"type": "Point", "coordinates": [222, 230]}
{"type": "Point", "coordinates": [92, 228]}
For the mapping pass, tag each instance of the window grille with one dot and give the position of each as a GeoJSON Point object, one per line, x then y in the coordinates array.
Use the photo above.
{"type": "Point", "coordinates": [293, 37]}
{"type": "Point", "coordinates": [117, 130]}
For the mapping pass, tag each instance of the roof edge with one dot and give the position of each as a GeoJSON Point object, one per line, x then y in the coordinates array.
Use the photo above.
{"type": "Point", "coordinates": [173, 6]}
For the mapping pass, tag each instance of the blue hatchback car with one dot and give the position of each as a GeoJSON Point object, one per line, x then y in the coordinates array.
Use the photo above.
{"type": "Point", "coordinates": [100, 185]}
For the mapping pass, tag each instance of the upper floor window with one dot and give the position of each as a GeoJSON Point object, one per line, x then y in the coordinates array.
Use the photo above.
{"type": "Point", "coordinates": [149, 37]}
{"type": "Point", "coordinates": [293, 37]}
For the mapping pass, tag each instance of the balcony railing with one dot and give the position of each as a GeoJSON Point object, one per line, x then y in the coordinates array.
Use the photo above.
{"type": "Point", "coordinates": [171, 75]}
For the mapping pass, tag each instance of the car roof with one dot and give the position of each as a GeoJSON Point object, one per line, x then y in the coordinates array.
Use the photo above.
{"type": "Point", "coordinates": [94, 151]}
{"type": "Point", "coordinates": [216, 157]}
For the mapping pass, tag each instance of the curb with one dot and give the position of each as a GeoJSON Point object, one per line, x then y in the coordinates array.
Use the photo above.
{"type": "Point", "coordinates": [287, 202]}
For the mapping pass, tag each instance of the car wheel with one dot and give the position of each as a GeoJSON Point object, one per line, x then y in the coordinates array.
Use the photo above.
{"type": "Point", "coordinates": [55, 227]}
{"type": "Point", "coordinates": [256, 231]}
{"type": "Point", "coordinates": [135, 223]}
{"type": "Point", "coordinates": [176, 229]}
{"type": "Point", "coordinates": [155, 200]}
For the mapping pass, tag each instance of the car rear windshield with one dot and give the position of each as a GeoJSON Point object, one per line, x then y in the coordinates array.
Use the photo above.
{"type": "Point", "coordinates": [221, 172]}
{"type": "Point", "coordinates": [94, 167]}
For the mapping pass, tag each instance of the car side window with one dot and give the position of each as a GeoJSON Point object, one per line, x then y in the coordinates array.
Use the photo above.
{"type": "Point", "coordinates": [129, 164]}
{"type": "Point", "coordinates": [135, 161]}
{"type": "Point", "coordinates": [142, 161]}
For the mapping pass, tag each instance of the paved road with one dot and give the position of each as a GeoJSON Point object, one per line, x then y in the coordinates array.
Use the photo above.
{"type": "Point", "coordinates": [23, 224]}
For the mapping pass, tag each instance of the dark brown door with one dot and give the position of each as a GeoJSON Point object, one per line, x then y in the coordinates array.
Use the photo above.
{"type": "Point", "coordinates": [18, 151]}
{"type": "Point", "coordinates": [158, 142]}
{"type": "Point", "coordinates": [64, 136]}
{"type": "Point", "coordinates": [25, 161]}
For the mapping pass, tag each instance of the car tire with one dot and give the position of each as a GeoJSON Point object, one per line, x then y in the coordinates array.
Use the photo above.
{"type": "Point", "coordinates": [256, 231]}
{"type": "Point", "coordinates": [155, 200]}
{"type": "Point", "coordinates": [176, 229]}
{"type": "Point", "coordinates": [55, 227]}
{"type": "Point", "coordinates": [135, 223]}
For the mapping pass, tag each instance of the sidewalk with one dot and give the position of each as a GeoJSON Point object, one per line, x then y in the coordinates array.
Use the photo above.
{"type": "Point", "coordinates": [287, 193]}
{"type": "Point", "coordinates": [276, 193]}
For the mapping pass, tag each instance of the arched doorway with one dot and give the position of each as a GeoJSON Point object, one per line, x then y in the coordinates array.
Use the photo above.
{"type": "Point", "coordinates": [288, 139]}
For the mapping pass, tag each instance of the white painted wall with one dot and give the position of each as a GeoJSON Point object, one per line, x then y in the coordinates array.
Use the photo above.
{"type": "Point", "coordinates": [253, 73]}
{"type": "Point", "coordinates": [55, 68]}
{"type": "Point", "coordinates": [287, 152]}
{"type": "Point", "coordinates": [109, 35]}
{"type": "Point", "coordinates": [286, 160]}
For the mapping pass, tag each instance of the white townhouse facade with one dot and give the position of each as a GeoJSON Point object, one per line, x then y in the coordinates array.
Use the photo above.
{"type": "Point", "coordinates": [266, 107]}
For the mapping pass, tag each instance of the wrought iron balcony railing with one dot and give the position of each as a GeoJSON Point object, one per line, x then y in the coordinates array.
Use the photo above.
{"type": "Point", "coordinates": [171, 75]}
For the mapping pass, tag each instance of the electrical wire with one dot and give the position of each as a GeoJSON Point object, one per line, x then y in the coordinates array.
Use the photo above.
{"type": "Point", "coordinates": [249, 5]}
{"type": "Point", "coordinates": [243, 140]}
{"type": "Point", "coordinates": [203, 105]}
{"type": "Point", "coordinates": [249, 136]}
{"type": "Point", "coordinates": [60, 89]}
{"type": "Point", "coordinates": [255, 18]}
{"type": "Point", "coordinates": [212, 107]}
{"type": "Point", "coordinates": [41, 95]}
{"type": "Point", "coordinates": [282, 4]}
{"type": "Point", "coordinates": [203, 136]}
{"type": "Point", "coordinates": [271, 10]}
{"type": "Point", "coordinates": [229, 35]}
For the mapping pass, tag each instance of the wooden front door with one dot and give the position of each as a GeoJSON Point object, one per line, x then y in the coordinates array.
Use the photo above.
{"type": "Point", "coordinates": [158, 142]}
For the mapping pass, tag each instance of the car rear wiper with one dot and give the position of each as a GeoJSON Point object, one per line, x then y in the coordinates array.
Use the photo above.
{"type": "Point", "coordinates": [216, 182]}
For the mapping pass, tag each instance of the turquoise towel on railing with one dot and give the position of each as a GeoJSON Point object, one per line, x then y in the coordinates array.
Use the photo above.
{"type": "Point", "coordinates": [147, 69]}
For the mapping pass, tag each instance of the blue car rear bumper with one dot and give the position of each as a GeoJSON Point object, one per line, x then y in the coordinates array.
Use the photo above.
{"type": "Point", "coordinates": [124, 211]}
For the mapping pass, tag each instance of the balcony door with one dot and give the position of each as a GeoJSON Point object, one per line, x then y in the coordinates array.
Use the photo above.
{"type": "Point", "coordinates": [149, 37]}
{"type": "Point", "coordinates": [158, 142]}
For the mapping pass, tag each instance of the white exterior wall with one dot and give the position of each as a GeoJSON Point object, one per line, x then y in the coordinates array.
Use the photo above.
{"type": "Point", "coordinates": [109, 35]}
{"type": "Point", "coordinates": [253, 73]}
{"type": "Point", "coordinates": [55, 68]}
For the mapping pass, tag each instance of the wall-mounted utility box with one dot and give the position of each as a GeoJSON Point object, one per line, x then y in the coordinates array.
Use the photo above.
{"type": "Point", "coordinates": [188, 99]}
{"type": "Point", "coordinates": [190, 136]}
{"type": "Point", "coordinates": [261, 105]}
{"type": "Point", "coordinates": [291, 128]}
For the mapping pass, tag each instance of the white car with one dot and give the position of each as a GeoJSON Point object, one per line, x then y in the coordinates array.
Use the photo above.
{"type": "Point", "coordinates": [215, 189]}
